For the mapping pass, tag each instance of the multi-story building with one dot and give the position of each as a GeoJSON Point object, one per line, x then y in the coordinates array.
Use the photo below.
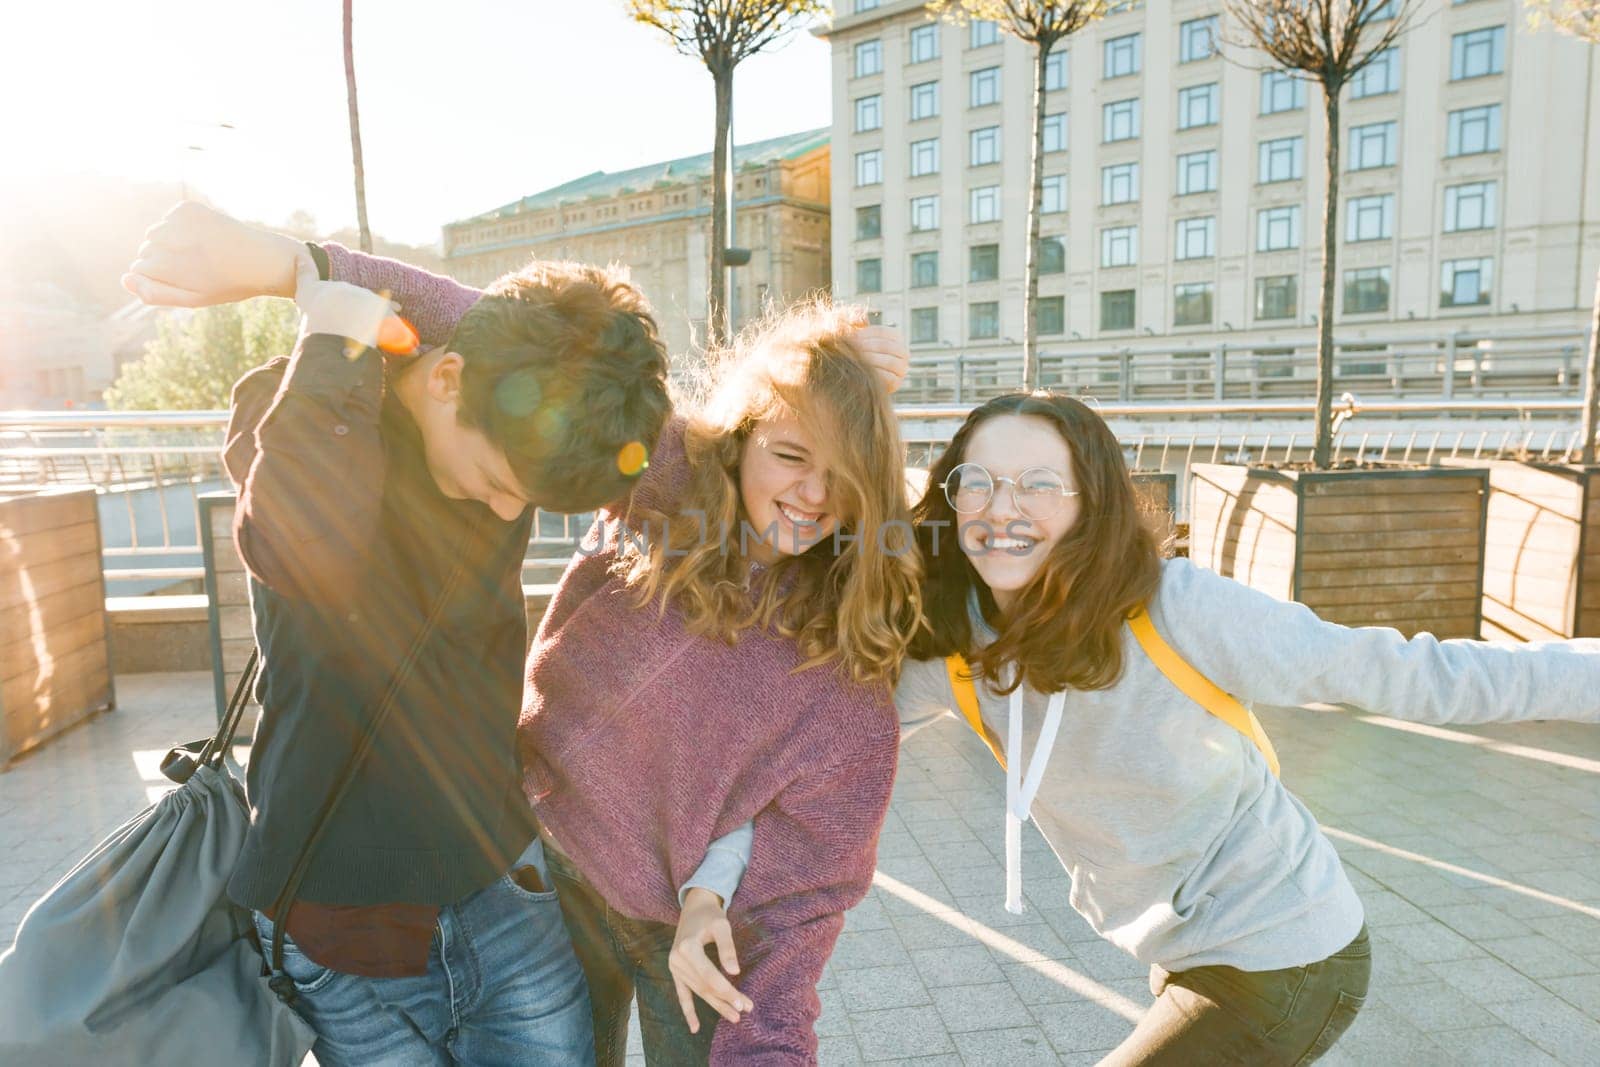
{"type": "Point", "coordinates": [53, 348]}
{"type": "Point", "coordinates": [1183, 190]}
{"type": "Point", "coordinates": [656, 219]}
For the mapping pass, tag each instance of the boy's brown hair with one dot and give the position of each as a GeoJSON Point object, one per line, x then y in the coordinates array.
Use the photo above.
{"type": "Point", "coordinates": [564, 370]}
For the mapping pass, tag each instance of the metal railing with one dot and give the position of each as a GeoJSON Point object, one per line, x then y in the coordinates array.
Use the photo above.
{"type": "Point", "coordinates": [150, 468]}
{"type": "Point", "coordinates": [1531, 363]}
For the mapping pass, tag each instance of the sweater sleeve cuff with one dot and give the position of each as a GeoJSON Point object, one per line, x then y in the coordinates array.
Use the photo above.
{"type": "Point", "coordinates": [723, 868]}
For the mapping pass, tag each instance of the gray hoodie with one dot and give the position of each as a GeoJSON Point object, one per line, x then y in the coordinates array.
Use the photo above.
{"type": "Point", "coordinates": [1184, 849]}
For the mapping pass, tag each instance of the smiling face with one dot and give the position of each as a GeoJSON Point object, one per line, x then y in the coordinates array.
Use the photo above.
{"type": "Point", "coordinates": [783, 484]}
{"type": "Point", "coordinates": [1006, 548]}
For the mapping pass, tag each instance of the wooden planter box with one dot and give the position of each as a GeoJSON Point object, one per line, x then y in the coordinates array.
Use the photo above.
{"type": "Point", "coordinates": [228, 588]}
{"type": "Point", "coordinates": [1400, 548]}
{"type": "Point", "coordinates": [55, 643]}
{"type": "Point", "coordinates": [1541, 570]}
{"type": "Point", "coordinates": [1158, 499]}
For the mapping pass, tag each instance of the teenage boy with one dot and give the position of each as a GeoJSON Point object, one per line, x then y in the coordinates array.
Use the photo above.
{"type": "Point", "coordinates": [375, 492]}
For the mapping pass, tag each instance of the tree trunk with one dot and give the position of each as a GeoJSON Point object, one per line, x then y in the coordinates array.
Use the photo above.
{"type": "Point", "coordinates": [1591, 378]}
{"type": "Point", "coordinates": [355, 130]}
{"type": "Point", "coordinates": [1030, 266]}
{"type": "Point", "coordinates": [719, 321]}
{"type": "Point", "coordinates": [1322, 454]}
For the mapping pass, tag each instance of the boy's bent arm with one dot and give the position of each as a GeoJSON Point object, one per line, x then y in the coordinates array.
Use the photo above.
{"type": "Point", "coordinates": [305, 452]}
{"type": "Point", "coordinates": [433, 304]}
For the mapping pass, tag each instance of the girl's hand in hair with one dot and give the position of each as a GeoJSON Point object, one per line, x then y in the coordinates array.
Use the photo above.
{"type": "Point", "coordinates": [885, 350]}
{"type": "Point", "coordinates": [704, 922]}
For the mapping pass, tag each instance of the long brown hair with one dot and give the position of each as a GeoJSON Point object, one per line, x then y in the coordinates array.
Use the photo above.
{"type": "Point", "coordinates": [1065, 630]}
{"type": "Point", "coordinates": [853, 598]}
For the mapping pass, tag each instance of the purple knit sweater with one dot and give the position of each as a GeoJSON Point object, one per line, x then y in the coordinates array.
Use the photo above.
{"type": "Point", "coordinates": [641, 743]}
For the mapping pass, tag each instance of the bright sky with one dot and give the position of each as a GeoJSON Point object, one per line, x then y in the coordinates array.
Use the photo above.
{"type": "Point", "coordinates": [464, 106]}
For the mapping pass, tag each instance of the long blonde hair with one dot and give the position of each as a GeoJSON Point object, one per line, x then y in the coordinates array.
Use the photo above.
{"type": "Point", "coordinates": [853, 597]}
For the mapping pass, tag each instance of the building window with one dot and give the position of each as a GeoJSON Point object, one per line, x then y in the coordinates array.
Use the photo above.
{"type": "Point", "coordinates": [985, 32]}
{"type": "Point", "coordinates": [1050, 315]}
{"type": "Point", "coordinates": [1369, 218]}
{"type": "Point", "coordinates": [1053, 195]}
{"type": "Point", "coordinates": [986, 203]}
{"type": "Point", "coordinates": [1197, 238]}
{"type": "Point", "coordinates": [1197, 106]}
{"type": "Point", "coordinates": [1116, 309]}
{"type": "Point", "coordinates": [1197, 172]}
{"type": "Point", "coordinates": [869, 275]}
{"type": "Point", "coordinates": [1379, 77]}
{"type": "Point", "coordinates": [1278, 228]}
{"type": "Point", "coordinates": [869, 58]}
{"type": "Point", "coordinates": [1478, 53]}
{"type": "Point", "coordinates": [1469, 207]}
{"type": "Point", "coordinates": [1373, 145]}
{"type": "Point", "coordinates": [924, 213]}
{"type": "Point", "coordinates": [925, 157]}
{"type": "Point", "coordinates": [1119, 246]}
{"type": "Point", "coordinates": [1055, 70]}
{"type": "Point", "coordinates": [1052, 255]}
{"type": "Point", "coordinates": [983, 320]}
{"type": "Point", "coordinates": [1055, 132]}
{"type": "Point", "coordinates": [1466, 282]}
{"type": "Point", "coordinates": [865, 5]}
{"type": "Point", "coordinates": [924, 269]}
{"type": "Point", "coordinates": [924, 326]}
{"type": "Point", "coordinates": [1281, 160]}
{"type": "Point", "coordinates": [1119, 184]}
{"type": "Point", "coordinates": [984, 87]}
{"type": "Point", "coordinates": [1191, 304]}
{"type": "Point", "coordinates": [1122, 56]}
{"type": "Point", "coordinates": [1281, 91]}
{"type": "Point", "coordinates": [1276, 297]}
{"type": "Point", "coordinates": [869, 222]}
{"type": "Point", "coordinates": [983, 263]}
{"type": "Point", "coordinates": [1121, 121]}
{"type": "Point", "coordinates": [924, 101]}
{"type": "Point", "coordinates": [869, 167]}
{"type": "Point", "coordinates": [1366, 290]}
{"type": "Point", "coordinates": [984, 145]}
{"type": "Point", "coordinates": [1197, 39]}
{"type": "Point", "coordinates": [869, 113]}
{"type": "Point", "coordinates": [1473, 130]}
{"type": "Point", "coordinates": [1387, 10]}
{"type": "Point", "coordinates": [924, 43]}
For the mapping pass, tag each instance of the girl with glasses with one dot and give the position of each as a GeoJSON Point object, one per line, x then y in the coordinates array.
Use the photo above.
{"type": "Point", "coordinates": [1161, 803]}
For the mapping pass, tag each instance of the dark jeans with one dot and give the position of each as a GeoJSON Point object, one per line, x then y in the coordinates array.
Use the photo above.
{"type": "Point", "coordinates": [1221, 1015]}
{"type": "Point", "coordinates": [622, 957]}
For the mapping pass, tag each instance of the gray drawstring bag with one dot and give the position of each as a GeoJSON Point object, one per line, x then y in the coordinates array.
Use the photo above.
{"type": "Point", "coordinates": [137, 955]}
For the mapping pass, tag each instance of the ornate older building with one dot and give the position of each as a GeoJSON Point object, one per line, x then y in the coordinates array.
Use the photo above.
{"type": "Point", "coordinates": [656, 219]}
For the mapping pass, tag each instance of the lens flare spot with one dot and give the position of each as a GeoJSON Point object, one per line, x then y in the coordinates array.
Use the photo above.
{"type": "Point", "coordinates": [518, 394]}
{"type": "Point", "coordinates": [633, 458]}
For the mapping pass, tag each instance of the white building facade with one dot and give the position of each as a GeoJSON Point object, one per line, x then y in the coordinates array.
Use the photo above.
{"type": "Point", "coordinates": [1184, 186]}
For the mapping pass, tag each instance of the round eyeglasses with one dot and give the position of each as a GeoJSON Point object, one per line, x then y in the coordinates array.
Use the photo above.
{"type": "Point", "coordinates": [1038, 491]}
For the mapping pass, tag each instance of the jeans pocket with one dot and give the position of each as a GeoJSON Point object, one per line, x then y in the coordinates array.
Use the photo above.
{"type": "Point", "coordinates": [1345, 1010]}
{"type": "Point", "coordinates": [306, 973]}
{"type": "Point", "coordinates": [533, 861]}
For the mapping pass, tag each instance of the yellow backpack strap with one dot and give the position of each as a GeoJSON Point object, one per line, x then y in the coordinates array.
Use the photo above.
{"type": "Point", "coordinates": [1198, 688]}
{"type": "Point", "coordinates": [966, 693]}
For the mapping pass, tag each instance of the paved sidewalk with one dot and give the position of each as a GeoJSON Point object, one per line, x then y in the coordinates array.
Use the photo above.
{"type": "Point", "coordinates": [1476, 852]}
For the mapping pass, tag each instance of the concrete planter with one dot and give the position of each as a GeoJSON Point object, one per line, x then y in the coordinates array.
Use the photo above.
{"type": "Point", "coordinates": [55, 649]}
{"type": "Point", "coordinates": [1385, 547]}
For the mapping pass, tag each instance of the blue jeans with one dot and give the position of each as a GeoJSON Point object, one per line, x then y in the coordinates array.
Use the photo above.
{"type": "Point", "coordinates": [502, 987]}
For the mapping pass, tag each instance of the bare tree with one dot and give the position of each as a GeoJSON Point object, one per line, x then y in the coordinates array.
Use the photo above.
{"type": "Point", "coordinates": [1580, 19]}
{"type": "Point", "coordinates": [1042, 24]}
{"type": "Point", "coordinates": [722, 34]}
{"type": "Point", "coordinates": [355, 130]}
{"type": "Point", "coordinates": [1329, 42]}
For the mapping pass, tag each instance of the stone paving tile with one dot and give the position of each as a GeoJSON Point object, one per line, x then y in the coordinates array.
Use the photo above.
{"type": "Point", "coordinates": [1464, 971]}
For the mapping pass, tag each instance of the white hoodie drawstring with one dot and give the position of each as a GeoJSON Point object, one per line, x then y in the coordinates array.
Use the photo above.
{"type": "Point", "coordinates": [1020, 791]}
